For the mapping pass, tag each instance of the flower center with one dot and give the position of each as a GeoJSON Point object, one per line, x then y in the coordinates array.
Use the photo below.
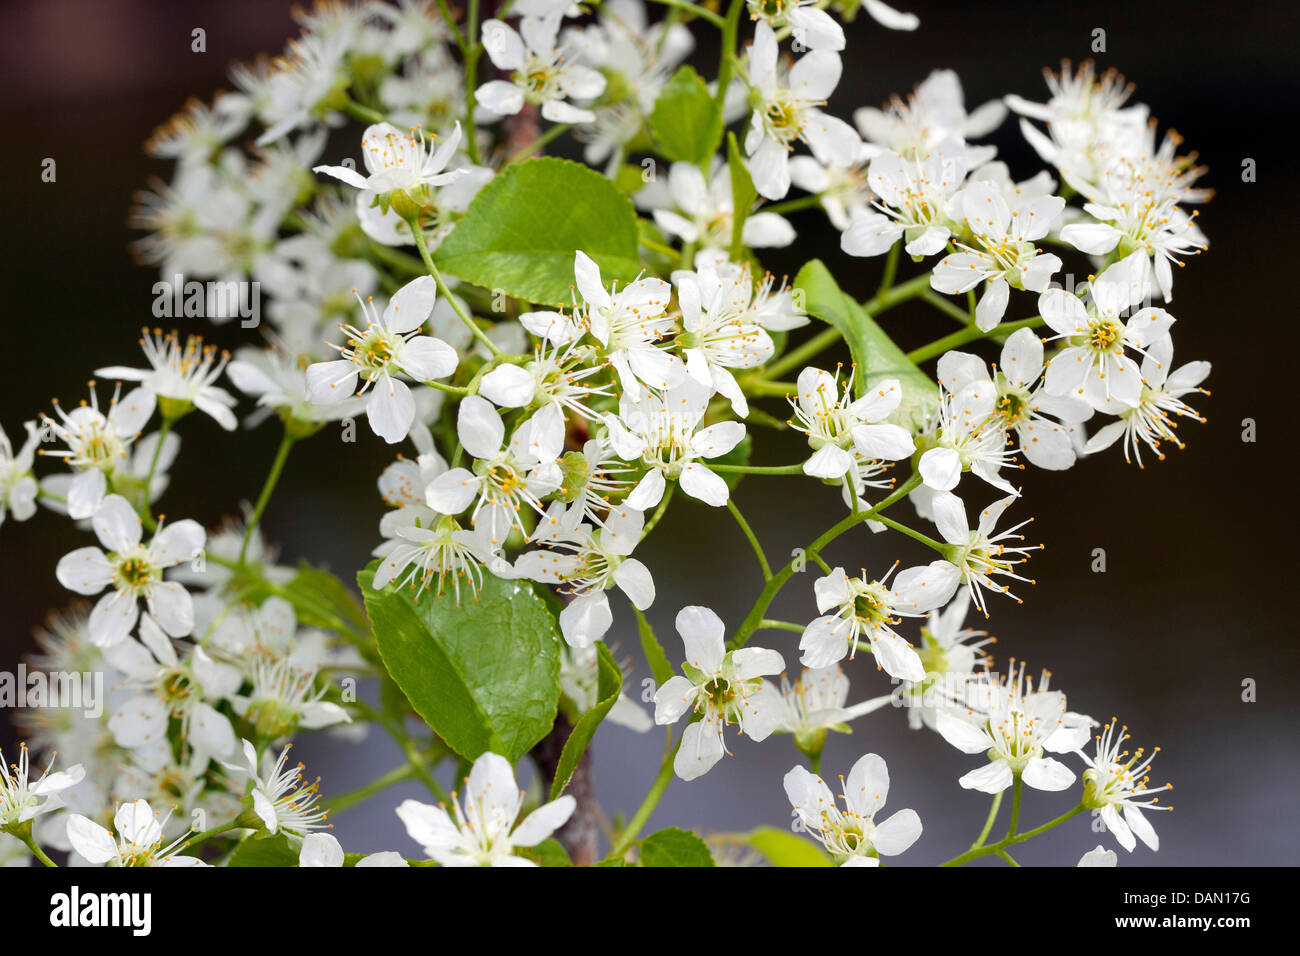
{"type": "Point", "coordinates": [178, 689]}
{"type": "Point", "coordinates": [1014, 405]}
{"type": "Point", "coordinates": [1103, 334]}
{"type": "Point", "coordinates": [374, 351]}
{"type": "Point", "coordinates": [720, 691]}
{"type": "Point", "coordinates": [783, 117]}
{"type": "Point", "coordinates": [135, 571]}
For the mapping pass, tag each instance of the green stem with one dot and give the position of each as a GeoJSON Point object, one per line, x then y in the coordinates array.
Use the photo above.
{"type": "Point", "coordinates": [691, 8]}
{"type": "Point", "coordinates": [755, 616]}
{"type": "Point", "coordinates": [1007, 856]}
{"type": "Point", "coordinates": [643, 812]}
{"type": "Point", "coordinates": [423, 247]}
{"type": "Point", "coordinates": [988, 823]}
{"type": "Point", "coordinates": [729, 29]}
{"type": "Point", "coordinates": [415, 759]}
{"type": "Point", "coordinates": [449, 389]}
{"type": "Point", "coordinates": [1015, 806]}
{"type": "Point", "coordinates": [794, 205]}
{"type": "Point", "coordinates": [912, 533]}
{"type": "Point", "coordinates": [163, 431]}
{"type": "Point", "coordinates": [799, 356]}
{"type": "Point", "coordinates": [758, 469]}
{"type": "Point", "coordinates": [760, 386]}
{"type": "Point", "coordinates": [946, 307]}
{"type": "Point", "coordinates": [397, 775]}
{"type": "Point", "coordinates": [419, 765]}
{"type": "Point", "coordinates": [659, 512]}
{"type": "Point", "coordinates": [36, 850]}
{"type": "Point", "coordinates": [268, 486]}
{"type": "Point", "coordinates": [559, 129]}
{"type": "Point", "coordinates": [363, 113]}
{"type": "Point", "coordinates": [891, 269]}
{"type": "Point", "coordinates": [882, 301]}
{"type": "Point", "coordinates": [686, 258]}
{"type": "Point", "coordinates": [994, 848]}
{"type": "Point", "coordinates": [472, 50]}
{"type": "Point", "coordinates": [201, 838]}
{"type": "Point", "coordinates": [768, 624]}
{"type": "Point", "coordinates": [451, 22]}
{"type": "Point", "coordinates": [753, 539]}
{"type": "Point", "coordinates": [969, 334]}
{"type": "Point", "coordinates": [658, 247]}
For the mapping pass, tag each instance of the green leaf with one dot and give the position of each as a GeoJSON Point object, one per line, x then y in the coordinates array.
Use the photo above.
{"type": "Point", "coordinates": [485, 675]}
{"type": "Point", "coordinates": [547, 853]}
{"type": "Point", "coordinates": [316, 595]}
{"type": "Point", "coordinates": [874, 352]}
{"type": "Point", "coordinates": [785, 849]}
{"type": "Point", "coordinates": [660, 668]}
{"type": "Point", "coordinates": [675, 847]}
{"type": "Point", "coordinates": [743, 195]}
{"type": "Point", "coordinates": [392, 701]}
{"type": "Point", "coordinates": [629, 179]}
{"type": "Point", "coordinates": [609, 684]}
{"type": "Point", "coordinates": [521, 231]}
{"type": "Point", "coordinates": [265, 851]}
{"type": "Point", "coordinates": [686, 120]}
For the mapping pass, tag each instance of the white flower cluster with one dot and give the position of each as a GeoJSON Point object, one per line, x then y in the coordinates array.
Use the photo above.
{"type": "Point", "coordinates": [549, 442]}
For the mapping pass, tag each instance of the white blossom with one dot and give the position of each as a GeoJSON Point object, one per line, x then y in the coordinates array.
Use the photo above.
{"type": "Point", "coordinates": [18, 487]}
{"type": "Point", "coordinates": [388, 345]}
{"type": "Point", "coordinates": [586, 562]}
{"type": "Point", "coordinates": [787, 109]}
{"type": "Point", "coordinates": [867, 609]}
{"type": "Point", "coordinates": [852, 836]}
{"type": "Point", "coordinates": [23, 799]}
{"type": "Point", "coordinates": [181, 377]}
{"type": "Point", "coordinates": [542, 71]}
{"type": "Point", "coordinates": [1115, 783]}
{"type": "Point", "coordinates": [397, 161]}
{"type": "Point", "coordinates": [506, 475]}
{"type": "Point", "coordinates": [1094, 365]}
{"type": "Point", "coordinates": [1014, 724]}
{"type": "Point", "coordinates": [1151, 421]}
{"type": "Point", "coordinates": [980, 554]}
{"type": "Point", "coordinates": [843, 429]}
{"type": "Point", "coordinates": [662, 431]}
{"type": "Point", "coordinates": [132, 570]}
{"type": "Point", "coordinates": [139, 839]}
{"type": "Point", "coordinates": [482, 831]}
{"type": "Point", "coordinates": [723, 686]}
{"type": "Point", "coordinates": [1001, 252]}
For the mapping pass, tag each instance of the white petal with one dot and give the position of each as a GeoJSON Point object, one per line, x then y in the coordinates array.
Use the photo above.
{"type": "Point", "coordinates": [896, 834]}
{"type": "Point", "coordinates": [1047, 773]}
{"type": "Point", "coordinates": [991, 778]}
{"type": "Point", "coordinates": [479, 427]}
{"type": "Point", "coordinates": [390, 409]}
{"type": "Point", "coordinates": [544, 821]}
{"type": "Point", "coordinates": [701, 631]}
{"type": "Point", "coordinates": [508, 386]}
{"type": "Point", "coordinates": [700, 483]}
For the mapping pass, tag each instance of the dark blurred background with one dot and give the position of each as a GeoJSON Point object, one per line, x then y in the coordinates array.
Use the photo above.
{"type": "Point", "coordinates": [1198, 593]}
